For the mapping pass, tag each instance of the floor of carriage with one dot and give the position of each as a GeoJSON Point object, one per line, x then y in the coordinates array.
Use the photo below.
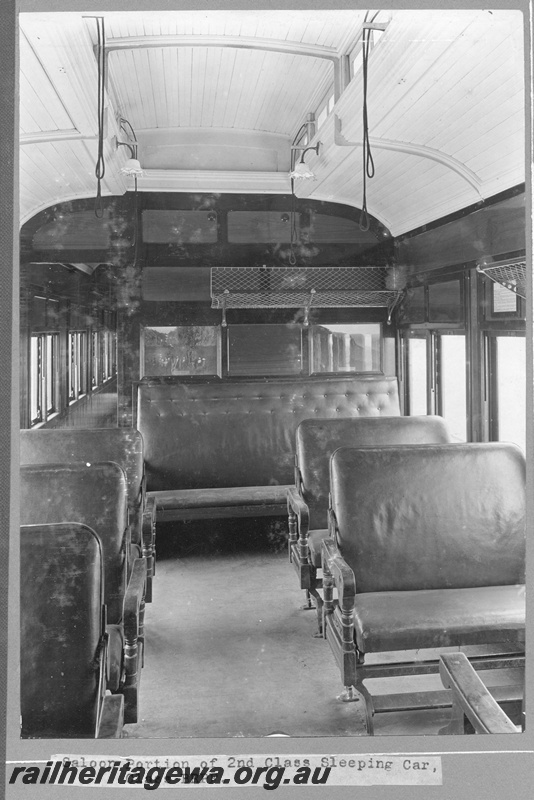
{"type": "Point", "coordinates": [231, 653]}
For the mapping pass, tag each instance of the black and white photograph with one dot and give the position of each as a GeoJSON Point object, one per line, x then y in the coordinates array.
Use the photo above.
{"type": "Point", "coordinates": [269, 297]}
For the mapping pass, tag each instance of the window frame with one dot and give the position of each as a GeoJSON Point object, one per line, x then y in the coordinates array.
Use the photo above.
{"type": "Point", "coordinates": [46, 384]}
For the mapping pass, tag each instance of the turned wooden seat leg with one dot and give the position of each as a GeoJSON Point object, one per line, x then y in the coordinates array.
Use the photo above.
{"type": "Point", "coordinates": [292, 525]}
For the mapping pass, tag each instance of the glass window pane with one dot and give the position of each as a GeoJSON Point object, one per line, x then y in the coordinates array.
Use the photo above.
{"type": "Point", "coordinates": [417, 376]}
{"type": "Point", "coordinates": [345, 348]}
{"type": "Point", "coordinates": [389, 357]}
{"type": "Point", "coordinates": [412, 306]}
{"type": "Point", "coordinates": [179, 226]}
{"type": "Point", "coordinates": [264, 350]}
{"type": "Point", "coordinates": [184, 350]}
{"type": "Point", "coordinates": [445, 302]}
{"type": "Point", "coordinates": [49, 376]}
{"type": "Point", "coordinates": [34, 378]}
{"type": "Point", "coordinates": [511, 389]}
{"type": "Point", "coordinates": [453, 385]}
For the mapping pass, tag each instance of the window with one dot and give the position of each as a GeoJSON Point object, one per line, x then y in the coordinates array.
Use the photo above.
{"type": "Point", "coordinates": [108, 355]}
{"type": "Point", "coordinates": [325, 108]}
{"type": "Point", "coordinates": [417, 375]}
{"type": "Point", "coordinates": [44, 358]}
{"type": "Point", "coordinates": [96, 375]}
{"type": "Point", "coordinates": [437, 378]}
{"type": "Point", "coordinates": [345, 348]}
{"type": "Point", "coordinates": [184, 350]}
{"type": "Point", "coordinates": [264, 350]}
{"type": "Point", "coordinates": [179, 226]}
{"type": "Point", "coordinates": [507, 374]}
{"type": "Point", "coordinates": [452, 397]}
{"type": "Point", "coordinates": [77, 364]}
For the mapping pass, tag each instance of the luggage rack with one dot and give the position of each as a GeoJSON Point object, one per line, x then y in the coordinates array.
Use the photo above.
{"type": "Point", "coordinates": [511, 274]}
{"type": "Point", "coordinates": [303, 287]}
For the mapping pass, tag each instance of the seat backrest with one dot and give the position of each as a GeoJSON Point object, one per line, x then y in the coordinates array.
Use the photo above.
{"type": "Point", "coordinates": [61, 629]}
{"type": "Point", "coordinates": [92, 494]}
{"type": "Point", "coordinates": [317, 439]}
{"type": "Point", "coordinates": [124, 446]}
{"type": "Point", "coordinates": [431, 516]}
{"type": "Point", "coordinates": [216, 434]}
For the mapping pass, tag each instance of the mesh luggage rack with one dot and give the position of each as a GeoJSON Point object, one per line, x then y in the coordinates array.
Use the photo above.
{"type": "Point", "coordinates": [294, 287]}
{"type": "Point", "coordinates": [512, 274]}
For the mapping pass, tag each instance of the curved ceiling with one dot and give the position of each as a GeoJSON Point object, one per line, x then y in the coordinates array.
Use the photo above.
{"type": "Point", "coordinates": [216, 99]}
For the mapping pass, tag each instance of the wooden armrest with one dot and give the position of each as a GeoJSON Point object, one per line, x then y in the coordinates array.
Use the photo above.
{"type": "Point", "coordinates": [111, 717]}
{"type": "Point", "coordinates": [296, 504]}
{"type": "Point", "coordinates": [476, 702]}
{"type": "Point", "coordinates": [343, 577]}
{"type": "Point", "coordinates": [134, 599]}
{"type": "Point", "coordinates": [149, 523]}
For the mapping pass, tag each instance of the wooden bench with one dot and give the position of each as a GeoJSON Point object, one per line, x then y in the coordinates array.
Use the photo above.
{"type": "Point", "coordinates": [64, 643]}
{"type": "Point", "coordinates": [124, 446]}
{"type": "Point", "coordinates": [475, 707]}
{"type": "Point", "coordinates": [430, 554]}
{"type": "Point", "coordinates": [307, 502]}
{"type": "Point", "coordinates": [95, 495]}
{"type": "Point", "coordinates": [225, 448]}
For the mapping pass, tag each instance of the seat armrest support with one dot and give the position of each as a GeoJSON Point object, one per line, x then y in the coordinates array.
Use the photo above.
{"type": "Point", "coordinates": [471, 699]}
{"type": "Point", "coordinates": [299, 523]}
{"type": "Point", "coordinates": [149, 543]}
{"type": "Point", "coordinates": [134, 610]}
{"type": "Point", "coordinates": [338, 574]}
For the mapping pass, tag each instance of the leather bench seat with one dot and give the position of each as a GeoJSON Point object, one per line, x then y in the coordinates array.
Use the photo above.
{"type": "Point", "coordinates": [307, 502]}
{"type": "Point", "coordinates": [123, 446]}
{"type": "Point", "coordinates": [215, 498]}
{"type": "Point", "coordinates": [427, 550]}
{"type": "Point", "coordinates": [65, 651]}
{"type": "Point", "coordinates": [226, 447]}
{"type": "Point", "coordinates": [438, 618]}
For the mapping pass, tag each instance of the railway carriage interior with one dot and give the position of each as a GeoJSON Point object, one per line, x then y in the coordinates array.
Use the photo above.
{"type": "Point", "coordinates": [274, 284]}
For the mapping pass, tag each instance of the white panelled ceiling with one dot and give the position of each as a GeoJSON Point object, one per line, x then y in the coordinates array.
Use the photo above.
{"type": "Point", "coordinates": [216, 98]}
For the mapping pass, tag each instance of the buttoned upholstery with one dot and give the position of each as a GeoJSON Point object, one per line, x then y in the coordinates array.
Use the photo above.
{"type": "Point", "coordinates": [221, 434]}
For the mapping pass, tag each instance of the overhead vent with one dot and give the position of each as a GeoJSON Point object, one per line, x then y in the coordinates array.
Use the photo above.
{"type": "Point", "coordinates": [511, 274]}
{"type": "Point", "coordinates": [304, 287]}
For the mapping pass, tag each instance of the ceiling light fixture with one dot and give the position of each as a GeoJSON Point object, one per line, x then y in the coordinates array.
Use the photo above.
{"type": "Point", "coordinates": [132, 165]}
{"type": "Point", "coordinates": [301, 170]}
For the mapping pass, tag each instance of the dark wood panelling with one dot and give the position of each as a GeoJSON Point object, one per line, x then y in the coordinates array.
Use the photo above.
{"type": "Point", "coordinates": [493, 230]}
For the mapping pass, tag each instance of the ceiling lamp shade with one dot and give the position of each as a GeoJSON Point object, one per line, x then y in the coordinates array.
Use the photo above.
{"type": "Point", "coordinates": [301, 170]}
{"type": "Point", "coordinates": [132, 167]}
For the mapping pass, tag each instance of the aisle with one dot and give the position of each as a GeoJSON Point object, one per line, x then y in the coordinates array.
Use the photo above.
{"type": "Point", "coordinates": [229, 652]}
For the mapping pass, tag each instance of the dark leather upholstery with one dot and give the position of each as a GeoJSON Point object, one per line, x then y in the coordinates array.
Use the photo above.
{"type": "Point", "coordinates": [215, 498]}
{"type": "Point", "coordinates": [61, 630]}
{"type": "Point", "coordinates": [218, 434]}
{"type": "Point", "coordinates": [64, 446]}
{"type": "Point", "coordinates": [94, 495]}
{"type": "Point", "coordinates": [317, 439]}
{"type": "Point", "coordinates": [438, 617]}
{"type": "Point", "coordinates": [431, 517]}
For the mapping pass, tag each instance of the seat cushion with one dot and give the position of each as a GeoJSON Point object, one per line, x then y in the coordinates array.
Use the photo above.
{"type": "Point", "coordinates": [438, 617]}
{"type": "Point", "coordinates": [315, 539]}
{"type": "Point", "coordinates": [217, 498]}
